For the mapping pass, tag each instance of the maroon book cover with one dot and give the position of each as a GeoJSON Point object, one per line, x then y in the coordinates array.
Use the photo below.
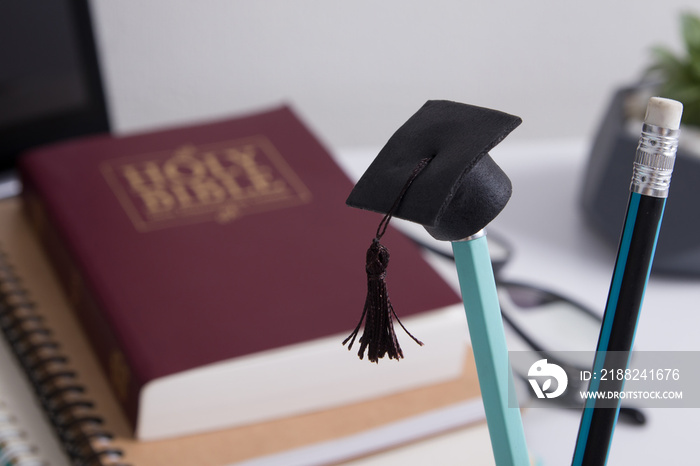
{"type": "Point", "coordinates": [188, 246]}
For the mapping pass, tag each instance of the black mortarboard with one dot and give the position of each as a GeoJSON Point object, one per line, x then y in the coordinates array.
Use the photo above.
{"type": "Point", "coordinates": [460, 190]}
{"type": "Point", "coordinates": [436, 171]}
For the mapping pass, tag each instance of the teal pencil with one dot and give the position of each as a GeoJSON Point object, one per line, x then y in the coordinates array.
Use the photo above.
{"type": "Point", "coordinates": [490, 350]}
{"type": "Point", "coordinates": [436, 171]}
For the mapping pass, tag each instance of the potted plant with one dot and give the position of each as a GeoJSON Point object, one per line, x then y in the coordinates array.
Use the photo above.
{"type": "Point", "coordinates": [608, 174]}
{"type": "Point", "coordinates": [679, 76]}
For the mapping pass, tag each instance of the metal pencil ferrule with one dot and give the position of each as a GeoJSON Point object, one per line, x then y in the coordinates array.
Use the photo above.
{"type": "Point", "coordinates": [653, 164]}
{"type": "Point", "coordinates": [476, 235]}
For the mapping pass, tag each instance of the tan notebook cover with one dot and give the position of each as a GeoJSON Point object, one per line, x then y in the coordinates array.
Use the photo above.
{"type": "Point", "coordinates": [216, 448]}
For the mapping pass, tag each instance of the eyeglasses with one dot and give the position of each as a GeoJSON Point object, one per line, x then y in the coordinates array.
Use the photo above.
{"type": "Point", "coordinates": [557, 328]}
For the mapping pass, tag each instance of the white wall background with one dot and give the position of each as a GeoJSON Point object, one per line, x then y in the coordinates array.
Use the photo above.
{"type": "Point", "coordinates": [356, 70]}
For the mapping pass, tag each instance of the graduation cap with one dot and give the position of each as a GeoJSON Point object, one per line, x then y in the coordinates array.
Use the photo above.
{"type": "Point", "coordinates": [436, 171]}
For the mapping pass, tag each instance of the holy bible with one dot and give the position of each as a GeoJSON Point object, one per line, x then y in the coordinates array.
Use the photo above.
{"type": "Point", "coordinates": [216, 270]}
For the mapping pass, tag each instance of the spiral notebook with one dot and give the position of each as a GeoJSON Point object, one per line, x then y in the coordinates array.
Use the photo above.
{"type": "Point", "coordinates": [70, 389]}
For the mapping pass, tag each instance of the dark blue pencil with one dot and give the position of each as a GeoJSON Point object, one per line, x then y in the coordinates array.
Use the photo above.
{"type": "Point", "coordinates": [651, 178]}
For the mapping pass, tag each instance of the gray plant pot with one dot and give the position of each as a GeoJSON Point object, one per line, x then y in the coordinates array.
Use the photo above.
{"type": "Point", "coordinates": [606, 191]}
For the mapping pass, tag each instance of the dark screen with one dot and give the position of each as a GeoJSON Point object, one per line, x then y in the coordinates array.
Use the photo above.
{"type": "Point", "coordinates": [50, 86]}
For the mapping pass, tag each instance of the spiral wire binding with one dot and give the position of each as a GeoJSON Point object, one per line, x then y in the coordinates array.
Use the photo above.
{"type": "Point", "coordinates": [62, 397]}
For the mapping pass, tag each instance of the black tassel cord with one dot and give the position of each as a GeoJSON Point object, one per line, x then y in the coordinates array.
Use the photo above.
{"type": "Point", "coordinates": [379, 338]}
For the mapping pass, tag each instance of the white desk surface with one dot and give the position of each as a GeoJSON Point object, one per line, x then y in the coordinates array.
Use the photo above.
{"type": "Point", "coordinates": [554, 247]}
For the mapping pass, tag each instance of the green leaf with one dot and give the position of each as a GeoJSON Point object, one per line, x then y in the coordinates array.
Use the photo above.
{"type": "Point", "coordinates": [690, 26]}
{"type": "Point", "coordinates": [665, 63]}
{"type": "Point", "coordinates": [694, 69]}
{"type": "Point", "coordinates": [680, 75]}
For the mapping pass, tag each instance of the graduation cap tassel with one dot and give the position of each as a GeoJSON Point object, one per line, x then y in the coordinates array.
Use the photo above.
{"type": "Point", "coordinates": [379, 338]}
